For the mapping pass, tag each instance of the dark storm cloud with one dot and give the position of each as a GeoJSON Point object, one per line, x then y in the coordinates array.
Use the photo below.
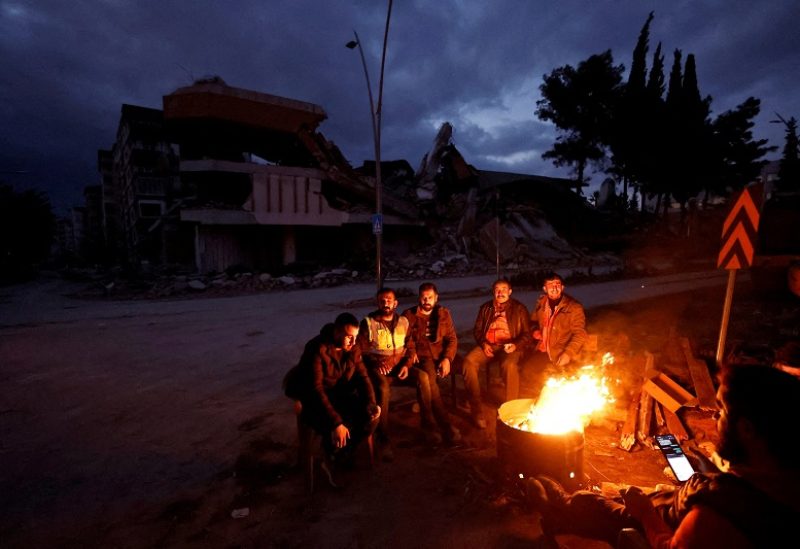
{"type": "Point", "coordinates": [69, 66]}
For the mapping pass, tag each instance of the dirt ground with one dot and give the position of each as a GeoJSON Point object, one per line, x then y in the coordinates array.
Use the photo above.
{"type": "Point", "coordinates": [254, 496]}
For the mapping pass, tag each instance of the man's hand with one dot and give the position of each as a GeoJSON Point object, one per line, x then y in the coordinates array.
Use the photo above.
{"type": "Point", "coordinates": [487, 350]}
{"type": "Point", "coordinates": [509, 348]}
{"type": "Point", "coordinates": [403, 373]}
{"type": "Point", "coordinates": [563, 360]}
{"type": "Point", "coordinates": [384, 370]}
{"type": "Point", "coordinates": [444, 367]}
{"type": "Point", "coordinates": [537, 334]}
{"type": "Point", "coordinates": [340, 436]}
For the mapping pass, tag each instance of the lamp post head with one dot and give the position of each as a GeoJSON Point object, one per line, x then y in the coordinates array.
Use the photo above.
{"type": "Point", "coordinates": [351, 44]}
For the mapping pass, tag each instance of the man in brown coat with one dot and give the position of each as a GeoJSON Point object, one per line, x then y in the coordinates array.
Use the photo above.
{"type": "Point", "coordinates": [558, 322]}
{"type": "Point", "coordinates": [436, 343]}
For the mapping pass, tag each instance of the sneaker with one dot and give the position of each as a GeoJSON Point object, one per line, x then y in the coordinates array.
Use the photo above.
{"type": "Point", "coordinates": [387, 454]}
{"type": "Point", "coordinates": [433, 438]}
{"type": "Point", "coordinates": [479, 421]}
{"type": "Point", "coordinates": [327, 468]}
{"type": "Point", "coordinates": [453, 434]}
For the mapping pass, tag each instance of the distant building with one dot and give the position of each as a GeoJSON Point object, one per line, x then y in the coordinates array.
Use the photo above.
{"type": "Point", "coordinates": [227, 177]}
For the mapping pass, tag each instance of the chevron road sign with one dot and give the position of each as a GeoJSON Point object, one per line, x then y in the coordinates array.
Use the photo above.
{"type": "Point", "coordinates": [740, 230]}
{"type": "Point", "coordinates": [738, 246]}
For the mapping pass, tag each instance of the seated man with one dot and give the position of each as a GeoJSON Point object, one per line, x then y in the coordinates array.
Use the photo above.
{"type": "Point", "coordinates": [502, 331]}
{"type": "Point", "coordinates": [753, 503]}
{"type": "Point", "coordinates": [334, 388]}
{"type": "Point", "coordinates": [436, 343]}
{"type": "Point", "coordinates": [559, 329]}
{"type": "Point", "coordinates": [388, 349]}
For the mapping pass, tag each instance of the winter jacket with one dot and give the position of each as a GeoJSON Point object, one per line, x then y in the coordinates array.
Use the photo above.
{"type": "Point", "coordinates": [443, 342]}
{"type": "Point", "coordinates": [568, 333]}
{"type": "Point", "coordinates": [319, 372]}
{"type": "Point", "coordinates": [518, 323]}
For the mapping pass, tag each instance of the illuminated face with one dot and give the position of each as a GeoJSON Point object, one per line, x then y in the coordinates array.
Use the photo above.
{"type": "Point", "coordinates": [553, 289]}
{"type": "Point", "coordinates": [346, 337]}
{"type": "Point", "coordinates": [387, 303]}
{"type": "Point", "coordinates": [730, 446]}
{"type": "Point", "coordinates": [502, 292]}
{"type": "Point", "coordinates": [427, 299]}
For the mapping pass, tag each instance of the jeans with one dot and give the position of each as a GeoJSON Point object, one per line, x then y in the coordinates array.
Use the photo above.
{"type": "Point", "coordinates": [382, 385]}
{"type": "Point", "coordinates": [509, 368]}
{"type": "Point", "coordinates": [430, 398]}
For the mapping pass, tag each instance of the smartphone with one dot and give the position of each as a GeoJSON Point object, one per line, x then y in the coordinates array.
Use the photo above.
{"type": "Point", "coordinates": [676, 459]}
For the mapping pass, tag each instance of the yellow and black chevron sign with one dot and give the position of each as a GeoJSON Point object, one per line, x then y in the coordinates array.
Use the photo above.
{"type": "Point", "coordinates": [740, 230]}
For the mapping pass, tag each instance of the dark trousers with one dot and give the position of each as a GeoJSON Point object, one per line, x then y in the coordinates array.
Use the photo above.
{"type": "Point", "coordinates": [590, 515]}
{"type": "Point", "coordinates": [355, 413]}
{"type": "Point", "coordinates": [430, 398]}
{"type": "Point", "coordinates": [383, 392]}
{"type": "Point", "coordinates": [509, 367]}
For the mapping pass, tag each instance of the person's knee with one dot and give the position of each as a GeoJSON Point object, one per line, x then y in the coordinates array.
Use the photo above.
{"type": "Point", "coordinates": [423, 380]}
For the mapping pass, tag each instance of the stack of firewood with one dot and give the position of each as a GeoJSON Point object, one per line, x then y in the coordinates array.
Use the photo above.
{"type": "Point", "coordinates": [653, 410]}
{"type": "Point", "coordinates": [648, 417]}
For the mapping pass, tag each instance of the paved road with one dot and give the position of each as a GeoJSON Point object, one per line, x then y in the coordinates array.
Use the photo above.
{"type": "Point", "coordinates": [103, 403]}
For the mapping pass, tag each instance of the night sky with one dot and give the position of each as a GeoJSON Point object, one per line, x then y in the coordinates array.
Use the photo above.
{"type": "Point", "coordinates": [67, 67]}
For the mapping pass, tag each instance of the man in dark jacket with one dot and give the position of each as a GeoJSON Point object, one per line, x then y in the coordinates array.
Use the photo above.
{"type": "Point", "coordinates": [502, 332]}
{"type": "Point", "coordinates": [334, 388]}
{"type": "Point", "coordinates": [436, 343]}
{"type": "Point", "coordinates": [559, 328]}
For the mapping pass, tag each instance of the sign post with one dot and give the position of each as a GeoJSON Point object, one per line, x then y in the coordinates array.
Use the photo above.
{"type": "Point", "coordinates": [738, 246]}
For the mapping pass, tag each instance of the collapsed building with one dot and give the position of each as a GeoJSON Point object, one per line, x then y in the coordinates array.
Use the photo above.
{"type": "Point", "coordinates": [225, 177]}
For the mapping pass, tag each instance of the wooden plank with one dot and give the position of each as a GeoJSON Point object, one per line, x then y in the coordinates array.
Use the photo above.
{"type": "Point", "coordinates": [675, 426]}
{"type": "Point", "coordinates": [628, 437]}
{"type": "Point", "coordinates": [645, 420]}
{"type": "Point", "coordinates": [703, 386]}
{"type": "Point", "coordinates": [659, 414]}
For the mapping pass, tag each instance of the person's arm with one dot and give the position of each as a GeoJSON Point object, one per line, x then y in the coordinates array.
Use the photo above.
{"type": "Point", "coordinates": [414, 332]}
{"type": "Point", "coordinates": [318, 381]}
{"type": "Point", "coordinates": [449, 335]}
{"type": "Point", "coordinates": [361, 377]}
{"type": "Point", "coordinates": [522, 326]}
{"type": "Point", "coordinates": [410, 354]}
{"type": "Point", "coordinates": [536, 329]}
{"type": "Point", "coordinates": [479, 330]}
{"type": "Point", "coordinates": [577, 330]}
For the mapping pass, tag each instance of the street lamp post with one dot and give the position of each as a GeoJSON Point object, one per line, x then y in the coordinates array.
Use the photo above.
{"type": "Point", "coordinates": [375, 113]}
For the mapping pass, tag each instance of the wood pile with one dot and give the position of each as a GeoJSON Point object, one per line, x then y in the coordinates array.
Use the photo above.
{"type": "Point", "coordinates": [653, 407]}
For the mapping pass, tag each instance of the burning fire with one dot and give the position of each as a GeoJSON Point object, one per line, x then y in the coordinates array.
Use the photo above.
{"type": "Point", "coordinates": [566, 404]}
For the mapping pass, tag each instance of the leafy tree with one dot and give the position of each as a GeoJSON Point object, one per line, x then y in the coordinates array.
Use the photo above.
{"type": "Point", "coordinates": [580, 102]}
{"type": "Point", "coordinates": [632, 129]}
{"type": "Point", "coordinates": [27, 227]}
{"type": "Point", "coordinates": [789, 169]}
{"type": "Point", "coordinates": [740, 157]}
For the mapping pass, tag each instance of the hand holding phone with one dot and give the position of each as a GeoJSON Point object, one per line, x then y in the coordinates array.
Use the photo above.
{"type": "Point", "coordinates": [676, 459]}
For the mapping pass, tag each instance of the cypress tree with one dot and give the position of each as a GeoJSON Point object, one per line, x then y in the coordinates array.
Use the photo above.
{"type": "Point", "coordinates": [789, 168]}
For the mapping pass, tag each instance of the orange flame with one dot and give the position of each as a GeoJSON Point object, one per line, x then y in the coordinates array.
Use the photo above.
{"type": "Point", "coordinates": [567, 404]}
